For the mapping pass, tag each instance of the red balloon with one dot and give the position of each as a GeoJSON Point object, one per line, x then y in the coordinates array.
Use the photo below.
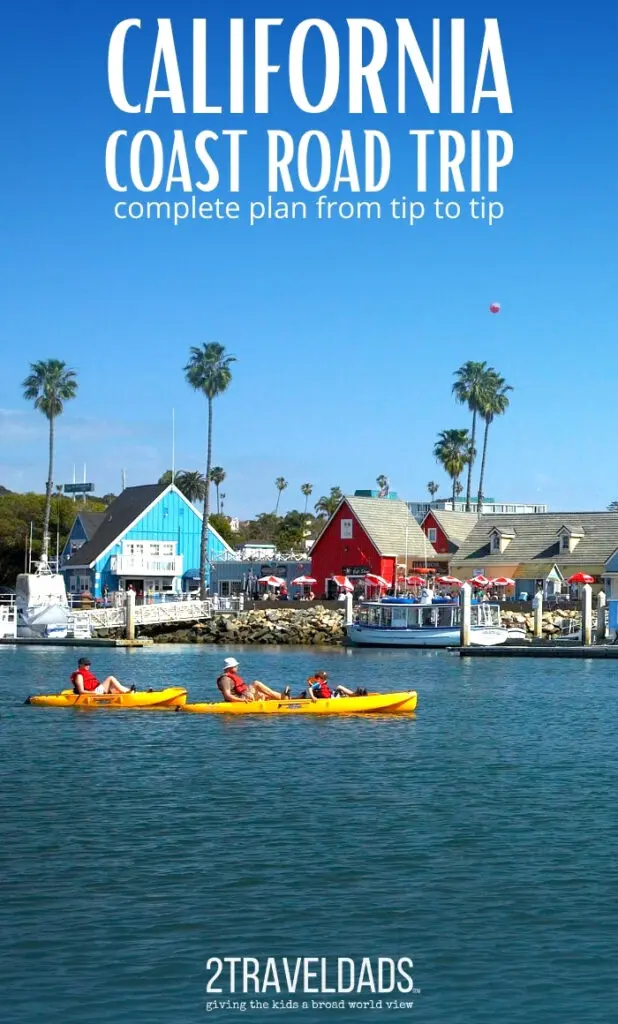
{"type": "Point", "coordinates": [494, 307]}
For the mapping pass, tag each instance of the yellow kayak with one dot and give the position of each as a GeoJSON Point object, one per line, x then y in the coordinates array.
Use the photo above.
{"type": "Point", "coordinates": [374, 703]}
{"type": "Point", "coordinates": [172, 697]}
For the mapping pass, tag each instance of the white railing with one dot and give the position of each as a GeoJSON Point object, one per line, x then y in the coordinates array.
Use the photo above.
{"type": "Point", "coordinates": [137, 565]}
{"type": "Point", "coordinates": [145, 614]}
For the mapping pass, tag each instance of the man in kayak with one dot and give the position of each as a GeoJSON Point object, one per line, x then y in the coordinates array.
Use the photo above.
{"type": "Point", "coordinates": [235, 689]}
{"type": "Point", "coordinates": [319, 689]}
{"type": "Point", "coordinates": [85, 682]}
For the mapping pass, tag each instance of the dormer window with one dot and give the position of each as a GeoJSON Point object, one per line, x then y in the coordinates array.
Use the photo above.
{"type": "Point", "coordinates": [569, 537]}
{"type": "Point", "coordinates": [500, 540]}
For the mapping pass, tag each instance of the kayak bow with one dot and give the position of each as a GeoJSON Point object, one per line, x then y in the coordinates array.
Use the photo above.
{"type": "Point", "coordinates": [374, 703]}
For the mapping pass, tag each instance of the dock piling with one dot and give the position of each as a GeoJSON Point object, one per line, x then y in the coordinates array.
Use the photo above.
{"type": "Point", "coordinates": [601, 625]}
{"type": "Point", "coordinates": [130, 614]}
{"type": "Point", "coordinates": [537, 606]}
{"type": "Point", "coordinates": [466, 614]}
{"type": "Point", "coordinates": [587, 615]}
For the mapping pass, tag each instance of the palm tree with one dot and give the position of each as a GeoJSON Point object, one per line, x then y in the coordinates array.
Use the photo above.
{"type": "Point", "coordinates": [453, 450]}
{"type": "Point", "coordinates": [166, 478]}
{"type": "Point", "coordinates": [382, 482]}
{"type": "Point", "coordinates": [327, 505]}
{"type": "Point", "coordinates": [208, 371]}
{"type": "Point", "coordinates": [306, 489]}
{"type": "Point", "coordinates": [433, 489]}
{"type": "Point", "coordinates": [494, 402]}
{"type": "Point", "coordinates": [217, 475]}
{"type": "Point", "coordinates": [281, 484]}
{"type": "Point", "coordinates": [469, 389]}
{"type": "Point", "coordinates": [49, 385]}
{"type": "Point", "coordinates": [192, 484]}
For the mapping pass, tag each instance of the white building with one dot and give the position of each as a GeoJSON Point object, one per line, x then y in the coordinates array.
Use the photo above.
{"type": "Point", "coordinates": [419, 509]}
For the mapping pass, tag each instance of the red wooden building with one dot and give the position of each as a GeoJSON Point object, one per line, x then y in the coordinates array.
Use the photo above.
{"type": "Point", "coordinates": [447, 531]}
{"type": "Point", "coordinates": [368, 535]}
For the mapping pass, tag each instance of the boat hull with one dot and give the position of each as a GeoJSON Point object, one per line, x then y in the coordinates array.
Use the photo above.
{"type": "Point", "coordinates": [172, 697]}
{"type": "Point", "coordinates": [480, 636]}
{"type": "Point", "coordinates": [374, 703]}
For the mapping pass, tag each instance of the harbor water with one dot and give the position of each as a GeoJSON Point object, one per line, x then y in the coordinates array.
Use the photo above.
{"type": "Point", "coordinates": [476, 838]}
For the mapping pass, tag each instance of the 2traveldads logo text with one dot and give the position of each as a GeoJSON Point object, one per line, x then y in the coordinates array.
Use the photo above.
{"type": "Point", "coordinates": [309, 975]}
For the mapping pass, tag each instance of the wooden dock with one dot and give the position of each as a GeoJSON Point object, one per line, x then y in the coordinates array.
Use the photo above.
{"type": "Point", "coordinates": [71, 641]}
{"type": "Point", "coordinates": [545, 650]}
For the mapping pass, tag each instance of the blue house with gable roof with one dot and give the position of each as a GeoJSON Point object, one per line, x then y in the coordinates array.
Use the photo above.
{"type": "Point", "coordinates": [148, 539]}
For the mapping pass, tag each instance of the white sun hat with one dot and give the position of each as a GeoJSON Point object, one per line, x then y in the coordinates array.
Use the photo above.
{"type": "Point", "coordinates": [230, 663]}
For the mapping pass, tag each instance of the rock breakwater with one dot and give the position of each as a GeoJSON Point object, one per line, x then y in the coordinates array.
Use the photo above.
{"type": "Point", "coordinates": [315, 625]}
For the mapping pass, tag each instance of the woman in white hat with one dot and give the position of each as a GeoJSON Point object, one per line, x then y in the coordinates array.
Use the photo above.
{"type": "Point", "coordinates": [235, 689]}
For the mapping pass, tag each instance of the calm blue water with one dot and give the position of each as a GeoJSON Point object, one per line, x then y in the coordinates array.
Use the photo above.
{"type": "Point", "coordinates": [477, 838]}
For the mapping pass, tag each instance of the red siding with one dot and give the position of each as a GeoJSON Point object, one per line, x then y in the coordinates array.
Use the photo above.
{"type": "Point", "coordinates": [332, 552]}
{"type": "Point", "coordinates": [441, 542]}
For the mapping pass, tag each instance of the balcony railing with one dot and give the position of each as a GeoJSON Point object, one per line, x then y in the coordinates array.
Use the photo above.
{"type": "Point", "coordinates": [137, 565]}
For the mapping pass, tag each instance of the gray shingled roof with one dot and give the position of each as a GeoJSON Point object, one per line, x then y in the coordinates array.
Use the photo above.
{"type": "Point", "coordinates": [536, 539]}
{"type": "Point", "coordinates": [385, 521]}
{"type": "Point", "coordinates": [118, 517]}
{"type": "Point", "coordinates": [91, 522]}
{"type": "Point", "coordinates": [455, 525]}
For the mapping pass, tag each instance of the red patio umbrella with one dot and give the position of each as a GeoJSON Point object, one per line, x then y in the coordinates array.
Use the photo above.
{"type": "Point", "coordinates": [415, 581]}
{"type": "Point", "coordinates": [478, 581]}
{"type": "Point", "coordinates": [580, 577]}
{"type": "Point", "coordinates": [375, 580]}
{"type": "Point", "coordinates": [449, 581]}
{"type": "Point", "coordinates": [502, 581]}
{"type": "Point", "coordinates": [423, 570]}
{"type": "Point", "coordinates": [303, 580]}
{"type": "Point", "coordinates": [272, 581]}
{"type": "Point", "coordinates": [343, 582]}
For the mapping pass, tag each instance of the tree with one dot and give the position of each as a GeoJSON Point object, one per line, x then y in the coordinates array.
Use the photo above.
{"type": "Point", "coordinates": [224, 529]}
{"type": "Point", "coordinates": [108, 498]}
{"type": "Point", "coordinates": [217, 476]}
{"type": "Point", "coordinates": [470, 388]}
{"type": "Point", "coordinates": [433, 489]}
{"type": "Point", "coordinates": [494, 403]}
{"type": "Point", "coordinates": [326, 505]}
{"type": "Point", "coordinates": [458, 488]}
{"type": "Point", "coordinates": [307, 490]}
{"type": "Point", "coordinates": [290, 534]}
{"type": "Point", "coordinates": [208, 371]}
{"type": "Point", "coordinates": [613, 506]}
{"type": "Point", "coordinates": [191, 483]}
{"type": "Point", "coordinates": [49, 385]}
{"type": "Point", "coordinates": [166, 478]}
{"type": "Point", "coordinates": [453, 450]}
{"type": "Point", "coordinates": [281, 484]}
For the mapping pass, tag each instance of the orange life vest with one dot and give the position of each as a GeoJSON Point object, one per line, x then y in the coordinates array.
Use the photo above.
{"type": "Point", "coordinates": [238, 685]}
{"type": "Point", "coordinates": [320, 687]}
{"type": "Point", "coordinates": [89, 680]}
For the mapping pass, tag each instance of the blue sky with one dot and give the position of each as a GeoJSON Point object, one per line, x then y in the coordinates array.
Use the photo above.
{"type": "Point", "coordinates": [346, 334]}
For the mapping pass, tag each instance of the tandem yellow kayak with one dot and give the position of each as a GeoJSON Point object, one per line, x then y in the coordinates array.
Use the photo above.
{"type": "Point", "coordinates": [374, 703]}
{"type": "Point", "coordinates": [172, 697]}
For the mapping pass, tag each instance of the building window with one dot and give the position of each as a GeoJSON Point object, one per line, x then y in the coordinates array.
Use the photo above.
{"type": "Point", "coordinates": [346, 529]}
{"type": "Point", "coordinates": [155, 550]}
{"type": "Point", "coordinates": [495, 542]}
{"type": "Point", "coordinates": [432, 535]}
{"type": "Point", "coordinates": [564, 542]}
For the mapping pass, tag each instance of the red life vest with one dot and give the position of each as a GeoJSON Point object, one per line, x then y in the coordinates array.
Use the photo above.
{"type": "Point", "coordinates": [238, 685]}
{"type": "Point", "coordinates": [89, 680]}
{"type": "Point", "coordinates": [320, 688]}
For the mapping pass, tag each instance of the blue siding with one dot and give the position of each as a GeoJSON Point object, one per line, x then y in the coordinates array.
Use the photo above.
{"type": "Point", "coordinates": [611, 564]}
{"type": "Point", "coordinates": [77, 533]}
{"type": "Point", "coordinates": [170, 519]}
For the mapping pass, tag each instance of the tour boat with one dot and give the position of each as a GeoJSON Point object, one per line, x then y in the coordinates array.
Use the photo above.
{"type": "Point", "coordinates": [404, 622]}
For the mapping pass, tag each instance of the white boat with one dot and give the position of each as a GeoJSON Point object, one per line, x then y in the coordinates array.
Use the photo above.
{"type": "Point", "coordinates": [41, 604]}
{"type": "Point", "coordinates": [8, 618]}
{"type": "Point", "coordinates": [403, 622]}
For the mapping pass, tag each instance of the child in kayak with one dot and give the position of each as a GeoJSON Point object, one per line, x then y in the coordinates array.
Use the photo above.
{"type": "Point", "coordinates": [319, 689]}
{"type": "Point", "coordinates": [85, 682]}
{"type": "Point", "coordinates": [236, 690]}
